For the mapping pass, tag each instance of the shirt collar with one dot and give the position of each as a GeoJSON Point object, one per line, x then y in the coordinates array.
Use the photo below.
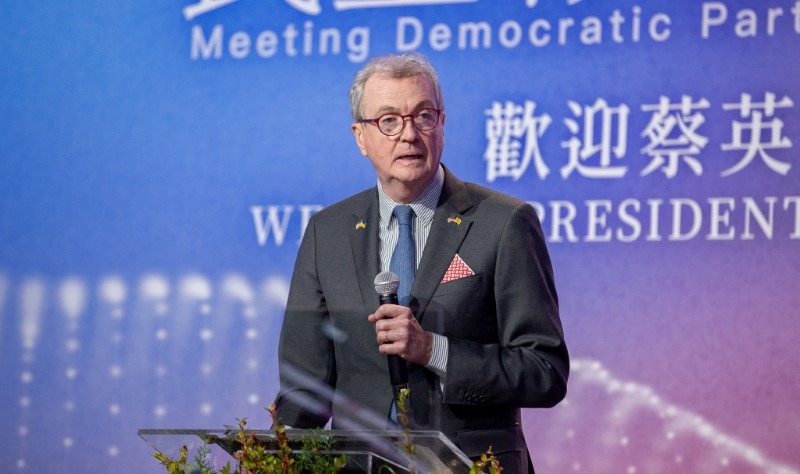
{"type": "Point", "coordinates": [423, 205]}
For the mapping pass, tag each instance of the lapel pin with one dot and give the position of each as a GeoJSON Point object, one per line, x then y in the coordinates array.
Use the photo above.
{"type": "Point", "coordinates": [361, 224]}
{"type": "Point", "coordinates": [456, 219]}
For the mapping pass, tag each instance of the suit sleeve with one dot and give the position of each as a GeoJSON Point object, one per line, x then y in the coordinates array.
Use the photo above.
{"type": "Point", "coordinates": [305, 355]}
{"type": "Point", "coordinates": [528, 366]}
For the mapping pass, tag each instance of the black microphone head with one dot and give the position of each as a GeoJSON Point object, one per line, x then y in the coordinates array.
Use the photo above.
{"type": "Point", "coordinates": [387, 283]}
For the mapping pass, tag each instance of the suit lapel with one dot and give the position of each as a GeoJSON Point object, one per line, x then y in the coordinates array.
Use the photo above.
{"type": "Point", "coordinates": [448, 229]}
{"type": "Point", "coordinates": [364, 243]}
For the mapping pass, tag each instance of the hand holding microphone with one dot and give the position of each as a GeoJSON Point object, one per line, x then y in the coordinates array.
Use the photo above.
{"type": "Point", "coordinates": [397, 331]}
{"type": "Point", "coordinates": [386, 284]}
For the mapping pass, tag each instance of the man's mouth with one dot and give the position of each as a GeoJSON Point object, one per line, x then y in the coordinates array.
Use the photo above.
{"type": "Point", "coordinates": [410, 156]}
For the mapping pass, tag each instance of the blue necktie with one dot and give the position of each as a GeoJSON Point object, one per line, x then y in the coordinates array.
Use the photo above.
{"type": "Point", "coordinates": [403, 261]}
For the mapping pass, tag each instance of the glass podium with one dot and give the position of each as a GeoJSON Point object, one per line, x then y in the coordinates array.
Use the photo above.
{"type": "Point", "coordinates": [367, 451]}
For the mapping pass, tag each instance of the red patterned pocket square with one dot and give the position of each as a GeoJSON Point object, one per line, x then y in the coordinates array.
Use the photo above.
{"type": "Point", "coordinates": [457, 269]}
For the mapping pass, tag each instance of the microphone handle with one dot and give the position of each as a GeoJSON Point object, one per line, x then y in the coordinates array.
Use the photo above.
{"type": "Point", "coordinates": [391, 298]}
{"type": "Point", "coordinates": [398, 371]}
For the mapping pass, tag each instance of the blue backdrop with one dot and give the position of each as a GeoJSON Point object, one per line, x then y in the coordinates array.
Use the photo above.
{"type": "Point", "coordinates": [158, 161]}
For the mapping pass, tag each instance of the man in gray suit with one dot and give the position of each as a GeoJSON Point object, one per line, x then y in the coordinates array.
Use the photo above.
{"type": "Point", "coordinates": [480, 330]}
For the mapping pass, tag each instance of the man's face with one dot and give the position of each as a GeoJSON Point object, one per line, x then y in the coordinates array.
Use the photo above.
{"type": "Point", "coordinates": [405, 163]}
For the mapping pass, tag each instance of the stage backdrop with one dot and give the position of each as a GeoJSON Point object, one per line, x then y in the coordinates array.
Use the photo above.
{"type": "Point", "coordinates": [159, 160]}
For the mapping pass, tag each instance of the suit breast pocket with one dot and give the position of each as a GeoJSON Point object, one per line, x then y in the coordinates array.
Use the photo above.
{"type": "Point", "coordinates": [469, 283]}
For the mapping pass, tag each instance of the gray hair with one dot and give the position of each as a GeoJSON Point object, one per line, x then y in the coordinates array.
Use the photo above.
{"type": "Point", "coordinates": [395, 67]}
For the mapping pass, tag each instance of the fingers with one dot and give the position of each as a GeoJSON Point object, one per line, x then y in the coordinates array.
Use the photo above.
{"type": "Point", "coordinates": [398, 333]}
{"type": "Point", "coordinates": [389, 334]}
{"type": "Point", "coordinates": [399, 326]}
{"type": "Point", "coordinates": [392, 342]}
{"type": "Point", "coordinates": [414, 346]}
{"type": "Point", "coordinates": [393, 328]}
{"type": "Point", "coordinates": [385, 337]}
{"type": "Point", "coordinates": [389, 311]}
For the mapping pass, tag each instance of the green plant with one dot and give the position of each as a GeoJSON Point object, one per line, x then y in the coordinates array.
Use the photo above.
{"type": "Point", "coordinates": [254, 458]}
{"type": "Point", "coordinates": [313, 457]}
{"type": "Point", "coordinates": [487, 460]}
{"type": "Point", "coordinates": [402, 417]}
{"type": "Point", "coordinates": [182, 466]}
{"type": "Point", "coordinates": [174, 466]}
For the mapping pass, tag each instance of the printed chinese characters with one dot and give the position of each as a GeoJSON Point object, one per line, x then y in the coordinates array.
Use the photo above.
{"type": "Point", "coordinates": [599, 137]}
{"type": "Point", "coordinates": [507, 127]}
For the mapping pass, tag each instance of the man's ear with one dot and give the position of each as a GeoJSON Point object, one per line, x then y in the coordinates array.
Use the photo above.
{"type": "Point", "coordinates": [358, 132]}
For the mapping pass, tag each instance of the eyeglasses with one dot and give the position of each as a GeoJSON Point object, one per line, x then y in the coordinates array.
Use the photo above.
{"type": "Point", "coordinates": [393, 124]}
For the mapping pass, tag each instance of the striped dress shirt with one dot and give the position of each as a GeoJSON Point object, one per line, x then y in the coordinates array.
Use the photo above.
{"type": "Point", "coordinates": [424, 206]}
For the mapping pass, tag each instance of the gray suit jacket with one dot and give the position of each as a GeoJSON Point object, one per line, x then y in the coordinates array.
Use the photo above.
{"type": "Point", "coordinates": [506, 344]}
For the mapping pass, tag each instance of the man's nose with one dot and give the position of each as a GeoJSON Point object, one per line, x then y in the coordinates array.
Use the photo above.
{"type": "Point", "coordinates": [409, 132]}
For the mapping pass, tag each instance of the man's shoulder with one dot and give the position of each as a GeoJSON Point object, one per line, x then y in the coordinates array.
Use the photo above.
{"type": "Point", "coordinates": [479, 197]}
{"type": "Point", "coordinates": [355, 205]}
{"type": "Point", "coordinates": [475, 189]}
{"type": "Point", "coordinates": [492, 202]}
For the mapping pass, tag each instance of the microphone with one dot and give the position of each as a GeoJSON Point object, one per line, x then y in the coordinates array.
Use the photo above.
{"type": "Point", "coordinates": [386, 284]}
